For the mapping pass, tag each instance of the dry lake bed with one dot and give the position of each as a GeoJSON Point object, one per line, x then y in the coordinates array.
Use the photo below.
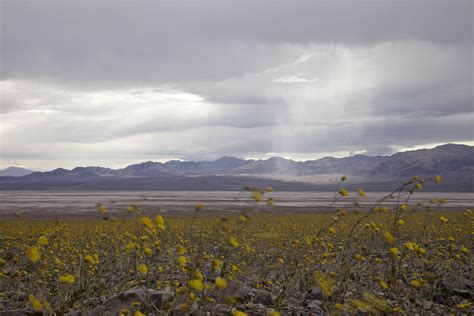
{"type": "Point", "coordinates": [58, 204]}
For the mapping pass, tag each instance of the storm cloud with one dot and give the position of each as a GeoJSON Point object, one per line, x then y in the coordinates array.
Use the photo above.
{"type": "Point", "coordinates": [112, 83]}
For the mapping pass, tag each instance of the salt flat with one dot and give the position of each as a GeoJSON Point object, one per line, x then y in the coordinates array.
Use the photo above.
{"type": "Point", "coordinates": [59, 204]}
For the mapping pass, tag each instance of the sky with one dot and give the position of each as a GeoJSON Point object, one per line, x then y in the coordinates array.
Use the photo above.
{"type": "Point", "coordinates": [112, 83]}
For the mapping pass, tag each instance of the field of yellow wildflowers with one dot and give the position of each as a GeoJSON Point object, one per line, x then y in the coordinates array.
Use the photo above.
{"type": "Point", "coordinates": [397, 260]}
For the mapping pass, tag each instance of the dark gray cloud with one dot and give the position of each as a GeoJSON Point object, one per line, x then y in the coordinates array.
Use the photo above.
{"type": "Point", "coordinates": [101, 42]}
{"type": "Point", "coordinates": [124, 81]}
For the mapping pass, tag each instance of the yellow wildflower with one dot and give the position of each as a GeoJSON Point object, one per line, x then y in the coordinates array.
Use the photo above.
{"type": "Point", "coordinates": [239, 313]}
{"type": "Point", "coordinates": [33, 254]}
{"type": "Point", "coordinates": [389, 237]}
{"type": "Point", "coordinates": [216, 264]}
{"type": "Point", "coordinates": [383, 284]}
{"type": "Point", "coordinates": [35, 303]}
{"type": "Point", "coordinates": [138, 313]}
{"type": "Point", "coordinates": [89, 259]}
{"type": "Point", "coordinates": [363, 306]}
{"type": "Point", "coordinates": [411, 246]}
{"type": "Point", "coordinates": [398, 310]}
{"type": "Point", "coordinates": [182, 260]}
{"type": "Point", "coordinates": [130, 245]}
{"type": "Point", "coordinates": [416, 283]}
{"type": "Point", "coordinates": [324, 283]}
{"type": "Point", "coordinates": [146, 221]}
{"type": "Point", "coordinates": [142, 268]}
{"type": "Point", "coordinates": [124, 312]}
{"type": "Point", "coordinates": [443, 219]}
{"type": "Point", "coordinates": [221, 283]}
{"type": "Point", "coordinates": [180, 250]}
{"type": "Point", "coordinates": [394, 251]}
{"type": "Point", "coordinates": [67, 278]}
{"type": "Point", "coordinates": [43, 241]}
{"type": "Point", "coordinates": [198, 207]}
{"type": "Point", "coordinates": [160, 221]}
{"type": "Point", "coordinates": [184, 306]}
{"type": "Point", "coordinates": [234, 242]}
{"type": "Point", "coordinates": [376, 302]}
{"type": "Point", "coordinates": [147, 250]}
{"type": "Point", "coordinates": [332, 230]}
{"type": "Point", "coordinates": [361, 192]}
{"type": "Point", "coordinates": [101, 208]}
{"type": "Point", "coordinates": [257, 196]}
{"type": "Point", "coordinates": [463, 305]}
{"type": "Point", "coordinates": [243, 217]}
{"type": "Point", "coordinates": [343, 192]}
{"type": "Point", "coordinates": [198, 274]}
{"type": "Point", "coordinates": [196, 284]}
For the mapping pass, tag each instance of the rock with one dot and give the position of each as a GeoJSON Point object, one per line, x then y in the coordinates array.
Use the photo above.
{"type": "Point", "coordinates": [451, 301]}
{"type": "Point", "coordinates": [239, 290]}
{"type": "Point", "coordinates": [262, 297]}
{"type": "Point", "coordinates": [315, 308]}
{"type": "Point", "coordinates": [124, 300]}
{"type": "Point", "coordinates": [103, 299]}
{"type": "Point", "coordinates": [438, 298]}
{"type": "Point", "coordinates": [314, 293]}
{"type": "Point", "coordinates": [315, 304]}
{"type": "Point", "coordinates": [245, 293]}
{"type": "Point", "coordinates": [464, 287]}
{"type": "Point", "coordinates": [427, 304]}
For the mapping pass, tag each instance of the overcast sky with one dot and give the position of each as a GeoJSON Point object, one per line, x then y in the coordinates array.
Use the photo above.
{"type": "Point", "coordinates": [113, 83]}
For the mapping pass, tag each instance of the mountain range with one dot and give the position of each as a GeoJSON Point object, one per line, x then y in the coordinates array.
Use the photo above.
{"type": "Point", "coordinates": [454, 162]}
{"type": "Point", "coordinates": [15, 172]}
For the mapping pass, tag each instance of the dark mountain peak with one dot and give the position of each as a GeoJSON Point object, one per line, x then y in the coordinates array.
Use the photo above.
{"type": "Point", "coordinates": [455, 149]}
{"type": "Point", "coordinates": [145, 164]}
{"type": "Point", "coordinates": [279, 159]}
{"type": "Point", "coordinates": [58, 171]}
{"type": "Point", "coordinates": [176, 162]}
{"type": "Point", "coordinates": [446, 148]}
{"type": "Point", "coordinates": [225, 162]}
{"type": "Point", "coordinates": [144, 169]}
{"type": "Point", "coordinates": [439, 160]}
{"type": "Point", "coordinates": [327, 159]}
{"type": "Point", "coordinates": [450, 146]}
{"type": "Point", "coordinates": [228, 159]}
{"type": "Point", "coordinates": [15, 172]}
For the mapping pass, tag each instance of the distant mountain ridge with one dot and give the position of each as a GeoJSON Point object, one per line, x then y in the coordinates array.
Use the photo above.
{"type": "Point", "coordinates": [454, 162]}
{"type": "Point", "coordinates": [15, 172]}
